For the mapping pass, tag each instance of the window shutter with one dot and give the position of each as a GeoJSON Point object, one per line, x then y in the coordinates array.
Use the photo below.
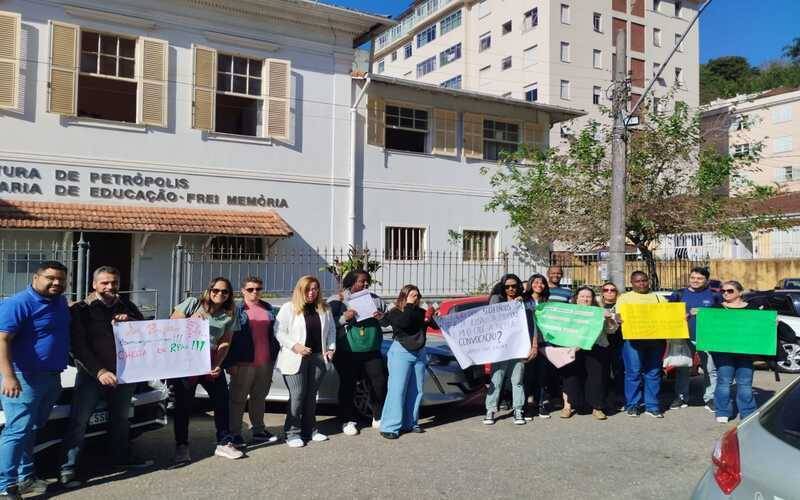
{"type": "Point", "coordinates": [153, 63]}
{"type": "Point", "coordinates": [63, 98]}
{"type": "Point", "coordinates": [444, 133]}
{"type": "Point", "coordinates": [204, 83]}
{"type": "Point", "coordinates": [473, 136]}
{"type": "Point", "coordinates": [533, 135]}
{"type": "Point", "coordinates": [10, 40]}
{"type": "Point", "coordinates": [376, 122]}
{"type": "Point", "coordinates": [277, 112]}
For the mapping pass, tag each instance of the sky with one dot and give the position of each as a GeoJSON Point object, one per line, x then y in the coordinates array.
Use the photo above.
{"type": "Point", "coordinates": [728, 27]}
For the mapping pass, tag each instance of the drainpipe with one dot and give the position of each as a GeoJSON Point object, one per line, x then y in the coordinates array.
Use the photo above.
{"type": "Point", "coordinates": [351, 220]}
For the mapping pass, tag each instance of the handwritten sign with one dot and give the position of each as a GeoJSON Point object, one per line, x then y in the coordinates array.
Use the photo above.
{"type": "Point", "coordinates": [488, 334]}
{"type": "Point", "coordinates": [570, 325]}
{"type": "Point", "coordinates": [738, 331]}
{"type": "Point", "coordinates": [666, 320]}
{"type": "Point", "coordinates": [160, 349]}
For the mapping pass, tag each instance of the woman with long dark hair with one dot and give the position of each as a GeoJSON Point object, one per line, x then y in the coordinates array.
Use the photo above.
{"type": "Point", "coordinates": [216, 306]}
{"type": "Point", "coordinates": [541, 379]}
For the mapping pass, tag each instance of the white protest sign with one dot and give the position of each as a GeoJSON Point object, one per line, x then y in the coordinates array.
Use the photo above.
{"type": "Point", "coordinates": [362, 303]}
{"type": "Point", "coordinates": [488, 334]}
{"type": "Point", "coordinates": [159, 349]}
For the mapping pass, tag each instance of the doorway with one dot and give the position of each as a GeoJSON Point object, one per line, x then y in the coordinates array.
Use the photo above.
{"type": "Point", "coordinates": [109, 249]}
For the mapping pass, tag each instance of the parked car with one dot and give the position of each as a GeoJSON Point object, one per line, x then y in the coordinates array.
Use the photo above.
{"type": "Point", "coordinates": [147, 412]}
{"type": "Point", "coordinates": [787, 304]}
{"type": "Point", "coordinates": [788, 284]}
{"type": "Point", "coordinates": [758, 459]}
{"type": "Point", "coordinates": [459, 304]}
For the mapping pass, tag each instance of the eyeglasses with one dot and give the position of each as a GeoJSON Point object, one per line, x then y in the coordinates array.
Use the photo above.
{"type": "Point", "coordinates": [251, 290]}
{"type": "Point", "coordinates": [610, 290]}
{"type": "Point", "coordinates": [223, 291]}
{"type": "Point", "coordinates": [728, 290]}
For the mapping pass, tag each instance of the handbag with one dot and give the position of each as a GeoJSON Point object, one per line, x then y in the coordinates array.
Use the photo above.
{"type": "Point", "coordinates": [364, 338]}
{"type": "Point", "coordinates": [678, 354]}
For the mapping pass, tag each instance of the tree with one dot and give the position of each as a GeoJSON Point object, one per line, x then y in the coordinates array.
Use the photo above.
{"type": "Point", "coordinates": [792, 51]}
{"type": "Point", "coordinates": [674, 185]}
{"type": "Point", "coordinates": [358, 259]}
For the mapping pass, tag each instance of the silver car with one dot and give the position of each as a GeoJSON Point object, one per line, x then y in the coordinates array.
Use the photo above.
{"type": "Point", "coordinates": [758, 459]}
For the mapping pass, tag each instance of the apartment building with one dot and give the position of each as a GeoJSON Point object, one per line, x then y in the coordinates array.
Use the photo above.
{"type": "Point", "coordinates": [557, 52]}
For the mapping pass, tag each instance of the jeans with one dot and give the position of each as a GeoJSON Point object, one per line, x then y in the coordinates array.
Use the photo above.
{"type": "Point", "coordinates": [24, 415]}
{"type": "Point", "coordinates": [642, 360]}
{"type": "Point", "coordinates": [406, 376]}
{"type": "Point", "coordinates": [301, 417]}
{"type": "Point", "coordinates": [85, 397]}
{"type": "Point", "coordinates": [217, 390]}
{"type": "Point", "coordinates": [499, 371]}
{"type": "Point", "coordinates": [732, 367]}
{"type": "Point", "coordinates": [252, 381]}
{"type": "Point", "coordinates": [541, 378]}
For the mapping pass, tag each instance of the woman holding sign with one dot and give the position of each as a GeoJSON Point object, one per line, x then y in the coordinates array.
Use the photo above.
{"type": "Point", "coordinates": [215, 305]}
{"type": "Point", "coordinates": [732, 367]}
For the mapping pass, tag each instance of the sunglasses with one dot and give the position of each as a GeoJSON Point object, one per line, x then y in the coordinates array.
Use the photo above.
{"type": "Point", "coordinates": [223, 291]}
{"type": "Point", "coordinates": [728, 290]}
{"type": "Point", "coordinates": [510, 287]}
{"type": "Point", "coordinates": [251, 290]}
{"type": "Point", "coordinates": [610, 290]}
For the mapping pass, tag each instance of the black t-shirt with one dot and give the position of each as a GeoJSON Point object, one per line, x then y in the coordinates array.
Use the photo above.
{"type": "Point", "coordinates": [313, 328]}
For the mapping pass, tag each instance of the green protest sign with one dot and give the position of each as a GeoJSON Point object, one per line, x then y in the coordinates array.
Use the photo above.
{"type": "Point", "coordinates": [570, 325]}
{"type": "Point", "coordinates": [738, 331]}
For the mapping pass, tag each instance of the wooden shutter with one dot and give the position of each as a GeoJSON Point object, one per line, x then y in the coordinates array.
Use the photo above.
{"type": "Point", "coordinates": [473, 136]}
{"type": "Point", "coordinates": [444, 132]}
{"type": "Point", "coordinates": [376, 122]}
{"type": "Point", "coordinates": [63, 98]}
{"type": "Point", "coordinates": [152, 89]}
{"type": "Point", "coordinates": [532, 135]}
{"type": "Point", "coordinates": [204, 85]}
{"type": "Point", "coordinates": [10, 40]}
{"type": "Point", "coordinates": [277, 110]}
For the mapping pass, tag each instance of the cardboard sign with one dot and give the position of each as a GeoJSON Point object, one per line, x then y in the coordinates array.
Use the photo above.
{"type": "Point", "coordinates": [666, 320]}
{"type": "Point", "coordinates": [570, 325]}
{"type": "Point", "coordinates": [738, 331]}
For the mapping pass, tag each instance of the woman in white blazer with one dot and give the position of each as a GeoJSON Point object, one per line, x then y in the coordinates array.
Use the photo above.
{"type": "Point", "coordinates": [307, 335]}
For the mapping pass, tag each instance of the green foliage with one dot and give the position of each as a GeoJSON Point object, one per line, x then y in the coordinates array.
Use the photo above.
{"type": "Point", "coordinates": [792, 51]}
{"type": "Point", "coordinates": [732, 75]}
{"type": "Point", "coordinates": [357, 259]}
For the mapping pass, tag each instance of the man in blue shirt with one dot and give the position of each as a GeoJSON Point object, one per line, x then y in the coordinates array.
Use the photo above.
{"type": "Point", "coordinates": [695, 296]}
{"type": "Point", "coordinates": [34, 342]}
{"type": "Point", "coordinates": [557, 292]}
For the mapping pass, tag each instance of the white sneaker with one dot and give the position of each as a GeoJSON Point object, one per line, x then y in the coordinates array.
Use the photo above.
{"type": "Point", "coordinates": [722, 420]}
{"type": "Point", "coordinates": [318, 437]}
{"type": "Point", "coordinates": [376, 424]}
{"type": "Point", "coordinates": [228, 451]}
{"type": "Point", "coordinates": [350, 429]}
{"type": "Point", "coordinates": [295, 442]}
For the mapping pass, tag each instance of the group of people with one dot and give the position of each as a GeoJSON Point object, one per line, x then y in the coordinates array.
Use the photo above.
{"type": "Point", "coordinates": [39, 331]}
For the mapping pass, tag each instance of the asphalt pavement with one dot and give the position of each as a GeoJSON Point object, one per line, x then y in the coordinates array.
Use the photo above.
{"type": "Point", "coordinates": [457, 457]}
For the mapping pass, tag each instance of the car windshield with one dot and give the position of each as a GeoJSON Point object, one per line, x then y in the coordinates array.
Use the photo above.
{"type": "Point", "coordinates": [782, 419]}
{"type": "Point", "coordinates": [791, 284]}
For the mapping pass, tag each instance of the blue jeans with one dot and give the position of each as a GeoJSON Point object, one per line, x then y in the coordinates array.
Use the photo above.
{"type": "Point", "coordinates": [25, 414]}
{"type": "Point", "coordinates": [499, 372]}
{"type": "Point", "coordinates": [642, 360]}
{"type": "Point", "coordinates": [406, 377]}
{"type": "Point", "coordinates": [88, 392]}
{"type": "Point", "coordinates": [732, 367]}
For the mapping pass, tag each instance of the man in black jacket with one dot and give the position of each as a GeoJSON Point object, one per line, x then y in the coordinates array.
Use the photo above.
{"type": "Point", "coordinates": [94, 350]}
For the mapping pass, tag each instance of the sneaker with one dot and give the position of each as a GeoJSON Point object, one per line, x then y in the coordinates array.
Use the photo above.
{"type": "Point", "coordinates": [632, 412]}
{"type": "Point", "coordinates": [599, 415]}
{"type": "Point", "coordinates": [567, 412]}
{"type": "Point", "coordinates": [417, 429]}
{"type": "Point", "coordinates": [710, 406]}
{"type": "Point", "coordinates": [519, 417]}
{"type": "Point", "coordinates": [295, 442]}
{"type": "Point", "coordinates": [182, 454]}
{"type": "Point", "coordinates": [318, 437]}
{"type": "Point", "coordinates": [228, 451]}
{"type": "Point", "coordinates": [376, 424]}
{"type": "Point", "coordinates": [238, 443]}
{"type": "Point", "coordinates": [390, 435]}
{"type": "Point", "coordinates": [654, 414]}
{"type": "Point", "coordinates": [31, 485]}
{"type": "Point", "coordinates": [11, 492]}
{"type": "Point", "coordinates": [722, 420]}
{"type": "Point", "coordinates": [677, 403]}
{"type": "Point", "coordinates": [350, 429]}
{"type": "Point", "coordinates": [489, 418]}
{"type": "Point", "coordinates": [263, 437]}
{"type": "Point", "coordinates": [544, 410]}
{"type": "Point", "coordinates": [69, 480]}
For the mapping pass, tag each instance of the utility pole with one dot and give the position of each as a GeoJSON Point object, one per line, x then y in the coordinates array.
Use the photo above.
{"type": "Point", "coordinates": [616, 253]}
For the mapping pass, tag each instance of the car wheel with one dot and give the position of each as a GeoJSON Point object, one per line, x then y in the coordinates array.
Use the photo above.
{"type": "Point", "coordinates": [362, 399]}
{"type": "Point", "coordinates": [791, 363]}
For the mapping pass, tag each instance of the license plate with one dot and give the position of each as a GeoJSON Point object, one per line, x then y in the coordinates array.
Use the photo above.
{"type": "Point", "coordinates": [99, 417]}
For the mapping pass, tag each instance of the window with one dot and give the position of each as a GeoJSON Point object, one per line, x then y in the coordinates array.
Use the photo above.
{"type": "Point", "coordinates": [381, 67]}
{"type": "Point", "coordinates": [530, 19]}
{"type": "Point", "coordinates": [236, 248]}
{"type": "Point", "coordinates": [596, 92]}
{"type": "Point", "coordinates": [597, 59]}
{"type": "Point", "coordinates": [239, 102]}
{"type": "Point", "coordinates": [564, 89]}
{"type": "Point", "coordinates": [597, 22]}
{"type": "Point", "coordinates": [394, 56]}
{"type": "Point", "coordinates": [453, 83]}
{"type": "Point", "coordinates": [532, 92]}
{"type": "Point", "coordinates": [659, 105]}
{"type": "Point", "coordinates": [564, 13]}
{"type": "Point", "coordinates": [479, 245]}
{"type": "Point", "coordinates": [564, 51]}
{"type": "Point", "coordinates": [485, 42]}
{"type": "Point", "coordinates": [426, 36]}
{"type": "Point", "coordinates": [483, 76]}
{"type": "Point", "coordinates": [406, 129]}
{"type": "Point", "coordinates": [450, 55]}
{"type": "Point", "coordinates": [507, 27]}
{"type": "Point", "coordinates": [741, 150]}
{"type": "Point", "coordinates": [529, 56]}
{"type": "Point", "coordinates": [657, 37]}
{"type": "Point", "coordinates": [499, 137]}
{"type": "Point", "coordinates": [107, 86]}
{"type": "Point", "coordinates": [506, 63]}
{"type": "Point", "coordinates": [787, 174]}
{"type": "Point", "coordinates": [782, 144]}
{"type": "Point", "coordinates": [404, 243]}
{"type": "Point", "coordinates": [782, 114]}
{"type": "Point", "coordinates": [656, 5]}
{"type": "Point", "coordinates": [426, 66]}
{"type": "Point", "coordinates": [483, 8]}
{"type": "Point", "coordinates": [450, 22]}
{"type": "Point", "coordinates": [678, 43]}
{"type": "Point", "coordinates": [679, 77]}
{"type": "Point", "coordinates": [407, 51]}
{"type": "Point", "coordinates": [739, 123]}
{"type": "Point", "coordinates": [678, 8]}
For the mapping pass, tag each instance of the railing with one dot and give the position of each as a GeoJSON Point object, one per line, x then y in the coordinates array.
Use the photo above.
{"type": "Point", "coordinates": [19, 259]}
{"type": "Point", "coordinates": [420, 13]}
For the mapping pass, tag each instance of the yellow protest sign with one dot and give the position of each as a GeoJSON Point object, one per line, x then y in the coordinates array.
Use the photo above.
{"type": "Point", "coordinates": [666, 320]}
